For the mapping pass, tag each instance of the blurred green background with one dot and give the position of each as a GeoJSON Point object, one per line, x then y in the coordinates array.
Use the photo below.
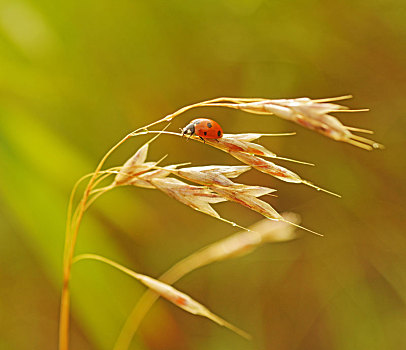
{"type": "Point", "coordinates": [75, 77]}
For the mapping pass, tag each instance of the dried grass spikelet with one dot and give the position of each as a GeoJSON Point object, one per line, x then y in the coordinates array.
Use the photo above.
{"type": "Point", "coordinates": [267, 167]}
{"type": "Point", "coordinates": [134, 166]}
{"type": "Point", "coordinates": [248, 152]}
{"type": "Point", "coordinates": [196, 197]}
{"type": "Point", "coordinates": [246, 199]}
{"type": "Point", "coordinates": [212, 174]}
{"type": "Point", "coordinates": [242, 143]}
{"type": "Point", "coordinates": [216, 186]}
{"type": "Point", "coordinates": [242, 194]}
{"type": "Point", "coordinates": [137, 173]}
{"type": "Point", "coordinates": [240, 147]}
{"type": "Point", "coordinates": [229, 171]}
{"type": "Point", "coordinates": [145, 180]}
{"type": "Point", "coordinates": [236, 245]}
{"type": "Point", "coordinates": [243, 242]}
{"type": "Point", "coordinates": [215, 182]}
{"type": "Point", "coordinates": [219, 175]}
{"type": "Point", "coordinates": [219, 183]}
{"type": "Point", "coordinates": [311, 114]}
{"type": "Point", "coordinates": [176, 297]}
{"type": "Point", "coordinates": [275, 170]}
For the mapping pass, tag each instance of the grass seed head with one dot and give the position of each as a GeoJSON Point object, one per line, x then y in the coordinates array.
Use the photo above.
{"type": "Point", "coordinates": [144, 180]}
{"type": "Point", "coordinates": [134, 166]}
{"type": "Point", "coordinates": [311, 114]}
{"type": "Point", "coordinates": [218, 176]}
{"type": "Point", "coordinates": [249, 137]}
{"type": "Point", "coordinates": [196, 197]}
{"type": "Point", "coordinates": [232, 143]}
{"type": "Point", "coordinates": [248, 201]}
{"type": "Point", "coordinates": [243, 242]}
{"type": "Point", "coordinates": [230, 171]}
{"type": "Point", "coordinates": [204, 178]}
{"type": "Point", "coordinates": [240, 143]}
{"type": "Point", "coordinates": [186, 303]}
{"type": "Point", "coordinates": [267, 167]}
{"type": "Point", "coordinates": [277, 171]}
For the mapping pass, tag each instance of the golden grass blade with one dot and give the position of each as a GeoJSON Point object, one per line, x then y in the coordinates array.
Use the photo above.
{"type": "Point", "coordinates": [351, 128]}
{"type": "Point", "coordinates": [353, 110]}
{"type": "Point", "coordinates": [228, 171]}
{"type": "Point", "coordinates": [312, 114]}
{"type": "Point", "coordinates": [236, 245]}
{"type": "Point", "coordinates": [304, 228]}
{"type": "Point", "coordinates": [294, 161]}
{"type": "Point", "coordinates": [308, 183]}
{"type": "Point", "coordinates": [249, 201]}
{"type": "Point", "coordinates": [196, 197]}
{"type": "Point", "coordinates": [249, 137]}
{"type": "Point", "coordinates": [267, 167]}
{"type": "Point", "coordinates": [212, 143]}
{"type": "Point", "coordinates": [71, 219]}
{"type": "Point", "coordinates": [359, 144]}
{"type": "Point", "coordinates": [176, 297]}
{"type": "Point", "coordinates": [276, 170]}
{"type": "Point", "coordinates": [72, 230]}
{"type": "Point", "coordinates": [331, 99]}
{"type": "Point", "coordinates": [145, 180]}
{"type": "Point", "coordinates": [69, 213]}
{"type": "Point", "coordinates": [374, 144]}
{"type": "Point", "coordinates": [281, 108]}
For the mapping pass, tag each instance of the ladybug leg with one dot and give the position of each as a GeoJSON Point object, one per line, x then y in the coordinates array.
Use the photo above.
{"type": "Point", "coordinates": [204, 141]}
{"type": "Point", "coordinates": [191, 134]}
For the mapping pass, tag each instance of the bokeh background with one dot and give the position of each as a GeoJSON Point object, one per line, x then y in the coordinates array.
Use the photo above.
{"type": "Point", "coordinates": [75, 77]}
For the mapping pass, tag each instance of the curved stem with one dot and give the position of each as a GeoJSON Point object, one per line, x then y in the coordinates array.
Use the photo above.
{"type": "Point", "coordinates": [70, 242]}
{"type": "Point", "coordinates": [71, 233]}
{"type": "Point", "coordinates": [149, 297]}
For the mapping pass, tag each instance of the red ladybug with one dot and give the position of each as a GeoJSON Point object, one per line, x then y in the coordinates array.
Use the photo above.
{"type": "Point", "coordinates": [204, 128]}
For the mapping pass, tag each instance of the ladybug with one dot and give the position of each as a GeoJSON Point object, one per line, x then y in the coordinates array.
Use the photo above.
{"type": "Point", "coordinates": [204, 128]}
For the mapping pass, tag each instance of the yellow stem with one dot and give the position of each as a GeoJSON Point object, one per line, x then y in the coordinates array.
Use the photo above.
{"type": "Point", "coordinates": [72, 232]}
{"type": "Point", "coordinates": [69, 249]}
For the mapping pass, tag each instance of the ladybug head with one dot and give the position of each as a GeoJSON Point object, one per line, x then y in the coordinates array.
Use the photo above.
{"type": "Point", "coordinates": [189, 129]}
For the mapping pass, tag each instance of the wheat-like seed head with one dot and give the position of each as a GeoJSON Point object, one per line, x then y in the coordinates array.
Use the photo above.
{"type": "Point", "coordinates": [214, 180]}
{"type": "Point", "coordinates": [311, 114]}
{"type": "Point", "coordinates": [212, 184]}
{"type": "Point", "coordinates": [247, 152]}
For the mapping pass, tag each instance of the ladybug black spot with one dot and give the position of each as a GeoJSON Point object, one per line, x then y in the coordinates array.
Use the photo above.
{"type": "Point", "coordinates": [209, 125]}
{"type": "Point", "coordinates": [219, 133]}
{"type": "Point", "coordinates": [205, 133]}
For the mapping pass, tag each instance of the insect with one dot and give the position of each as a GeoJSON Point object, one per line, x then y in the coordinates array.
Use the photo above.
{"type": "Point", "coordinates": [204, 128]}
